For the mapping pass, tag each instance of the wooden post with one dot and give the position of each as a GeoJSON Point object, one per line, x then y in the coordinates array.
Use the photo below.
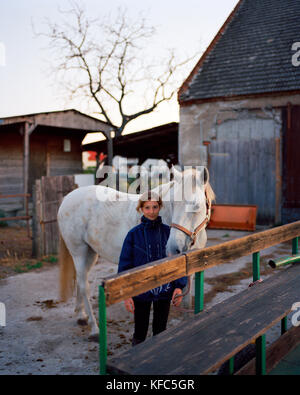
{"type": "Point", "coordinates": [110, 148]}
{"type": "Point", "coordinates": [37, 242]}
{"type": "Point", "coordinates": [26, 155]}
{"type": "Point", "coordinates": [26, 160]}
{"type": "Point", "coordinates": [278, 181]}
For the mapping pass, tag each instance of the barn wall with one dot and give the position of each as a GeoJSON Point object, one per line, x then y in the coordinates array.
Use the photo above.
{"type": "Point", "coordinates": [64, 163]}
{"type": "Point", "coordinates": [11, 167]}
{"type": "Point", "coordinates": [47, 156]}
{"type": "Point", "coordinates": [244, 154]}
{"type": "Point", "coordinates": [11, 163]}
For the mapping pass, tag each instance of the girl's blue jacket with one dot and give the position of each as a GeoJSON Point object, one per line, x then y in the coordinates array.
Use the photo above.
{"type": "Point", "coordinates": [145, 243]}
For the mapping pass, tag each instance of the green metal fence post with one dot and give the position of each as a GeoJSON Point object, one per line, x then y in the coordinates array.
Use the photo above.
{"type": "Point", "coordinates": [199, 291]}
{"type": "Point", "coordinates": [102, 331]}
{"type": "Point", "coordinates": [255, 266]}
{"type": "Point", "coordinates": [231, 365]}
{"type": "Point", "coordinates": [283, 325]}
{"type": "Point", "coordinates": [261, 355]}
{"type": "Point", "coordinates": [295, 246]}
{"type": "Point", "coordinates": [260, 341]}
{"type": "Point", "coordinates": [294, 252]}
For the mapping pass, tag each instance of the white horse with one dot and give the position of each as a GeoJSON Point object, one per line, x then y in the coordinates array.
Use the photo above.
{"type": "Point", "coordinates": [94, 221]}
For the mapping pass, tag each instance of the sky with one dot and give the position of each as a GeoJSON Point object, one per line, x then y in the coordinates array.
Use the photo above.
{"type": "Point", "coordinates": [26, 85]}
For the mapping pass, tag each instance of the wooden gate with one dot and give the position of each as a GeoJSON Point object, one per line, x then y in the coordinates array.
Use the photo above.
{"type": "Point", "coordinates": [48, 193]}
{"type": "Point", "coordinates": [244, 172]}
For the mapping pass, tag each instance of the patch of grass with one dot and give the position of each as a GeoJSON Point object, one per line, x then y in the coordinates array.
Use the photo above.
{"type": "Point", "coordinates": [50, 259]}
{"type": "Point", "coordinates": [23, 268]}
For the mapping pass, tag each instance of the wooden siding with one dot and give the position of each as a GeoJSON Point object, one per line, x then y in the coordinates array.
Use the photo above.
{"type": "Point", "coordinates": [243, 172]}
{"type": "Point", "coordinates": [11, 167]}
{"type": "Point", "coordinates": [245, 164]}
{"type": "Point", "coordinates": [46, 153]}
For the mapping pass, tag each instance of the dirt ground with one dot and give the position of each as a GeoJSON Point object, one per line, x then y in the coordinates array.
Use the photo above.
{"type": "Point", "coordinates": [42, 336]}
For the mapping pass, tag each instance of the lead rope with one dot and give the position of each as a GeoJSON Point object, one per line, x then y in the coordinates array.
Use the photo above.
{"type": "Point", "coordinates": [182, 295]}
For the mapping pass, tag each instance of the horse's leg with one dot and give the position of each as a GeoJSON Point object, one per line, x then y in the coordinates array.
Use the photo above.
{"type": "Point", "coordinates": [79, 309]}
{"type": "Point", "coordinates": [91, 257]}
{"type": "Point", "coordinates": [83, 265]}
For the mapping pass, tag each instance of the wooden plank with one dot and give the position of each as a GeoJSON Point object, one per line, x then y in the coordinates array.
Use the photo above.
{"type": "Point", "coordinates": [230, 250]}
{"type": "Point", "coordinates": [38, 229]}
{"type": "Point", "coordinates": [212, 337]}
{"type": "Point", "coordinates": [136, 281]}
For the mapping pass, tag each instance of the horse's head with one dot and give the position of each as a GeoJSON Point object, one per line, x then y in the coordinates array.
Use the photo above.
{"type": "Point", "coordinates": [191, 202]}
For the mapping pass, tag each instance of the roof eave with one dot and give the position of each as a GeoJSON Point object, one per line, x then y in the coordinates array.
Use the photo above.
{"type": "Point", "coordinates": [238, 97]}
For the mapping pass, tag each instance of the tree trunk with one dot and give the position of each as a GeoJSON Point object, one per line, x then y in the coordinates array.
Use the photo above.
{"type": "Point", "coordinates": [110, 151]}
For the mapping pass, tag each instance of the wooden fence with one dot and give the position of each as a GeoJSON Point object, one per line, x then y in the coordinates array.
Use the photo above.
{"type": "Point", "coordinates": [136, 281]}
{"type": "Point", "coordinates": [48, 193]}
{"type": "Point", "coordinates": [141, 279]}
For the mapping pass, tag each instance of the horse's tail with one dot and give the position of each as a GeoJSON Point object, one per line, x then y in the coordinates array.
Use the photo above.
{"type": "Point", "coordinates": [67, 271]}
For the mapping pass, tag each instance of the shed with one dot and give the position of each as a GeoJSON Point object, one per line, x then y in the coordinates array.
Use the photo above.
{"type": "Point", "coordinates": [42, 144]}
{"type": "Point", "coordinates": [240, 110]}
{"type": "Point", "coordinates": [160, 142]}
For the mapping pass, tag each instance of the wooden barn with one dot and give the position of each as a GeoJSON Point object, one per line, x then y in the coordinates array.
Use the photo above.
{"type": "Point", "coordinates": [240, 110]}
{"type": "Point", "coordinates": [160, 142]}
{"type": "Point", "coordinates": [44, 144]}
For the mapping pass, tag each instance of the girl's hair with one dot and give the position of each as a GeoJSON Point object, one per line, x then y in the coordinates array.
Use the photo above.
{"type": "Point", "coordinates": [146, 196]}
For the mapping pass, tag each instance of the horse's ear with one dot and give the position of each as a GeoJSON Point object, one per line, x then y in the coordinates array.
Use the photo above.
{"type": "Point", "coordinates": [177, 174]}
{"type": "Point", "coordinates": [205, 175]}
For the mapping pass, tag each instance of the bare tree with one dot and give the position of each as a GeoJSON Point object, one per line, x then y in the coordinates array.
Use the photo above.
{"type": "Point", "coordinates": [107, 62]}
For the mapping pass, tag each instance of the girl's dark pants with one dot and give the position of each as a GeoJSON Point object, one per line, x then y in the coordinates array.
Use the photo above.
{"type": "Point", "coordinates": [161, 310]}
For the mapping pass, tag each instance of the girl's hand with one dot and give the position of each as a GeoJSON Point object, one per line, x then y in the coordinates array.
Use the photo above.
{"type": "Point", "coordinates": [129, 305]}
{"type": "Point", "coordinates": [176, 300]}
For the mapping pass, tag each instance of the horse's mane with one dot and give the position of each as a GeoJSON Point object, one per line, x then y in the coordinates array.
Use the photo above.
{"type": "Point", "coordinates": [211, 196]}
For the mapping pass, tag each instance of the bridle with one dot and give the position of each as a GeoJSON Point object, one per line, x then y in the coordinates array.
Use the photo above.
{"type": "Point", "coordinates": [193, 234]}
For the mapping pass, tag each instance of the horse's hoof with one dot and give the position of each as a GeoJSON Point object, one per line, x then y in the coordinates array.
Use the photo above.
{"type": "Point", "coordinates": [82, 322]}
{"type": "Point", "coordinates": [94, 338]}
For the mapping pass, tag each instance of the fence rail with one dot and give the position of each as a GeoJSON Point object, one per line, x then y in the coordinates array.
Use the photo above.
{"type": "Point", "coordinates": [26, 217]}
{"type": "Point", "coordinates": [135, 281]}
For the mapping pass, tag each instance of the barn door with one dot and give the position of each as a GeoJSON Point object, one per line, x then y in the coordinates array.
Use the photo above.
{"type": "Point", "coordinates": [243, 172]}
{"type": "Point", "coordinates": [291, 164]}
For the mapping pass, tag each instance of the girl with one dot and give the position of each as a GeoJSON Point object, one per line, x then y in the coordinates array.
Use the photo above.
{"type": "Point", "coordinates": [146, 243]}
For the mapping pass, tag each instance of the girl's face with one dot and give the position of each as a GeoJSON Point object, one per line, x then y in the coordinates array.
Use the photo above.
{"type": "Point", "coordinates": [151, 209]}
